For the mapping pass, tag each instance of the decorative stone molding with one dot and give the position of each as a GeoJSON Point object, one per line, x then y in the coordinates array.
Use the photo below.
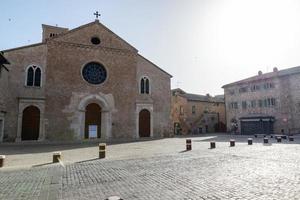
{"type": "Point", "coordinates": [139, 107]}
{"type": "Point", "coordinates": [24, 103]}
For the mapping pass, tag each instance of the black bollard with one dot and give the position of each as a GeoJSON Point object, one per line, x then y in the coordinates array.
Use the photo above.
{"type": "Point", "coordinates": [2, 158]}
{"type": "Point", "coordinates": [102, 150]}
{"type": "Point", "coordinates": [212, 144]}
{"type": "Point", "coordinates": [188, 144]}
{"type": "Point", "coordinates": [291, 139]}
{"type": "Point", "coordinates": [250, 141]}
{"type": "Point", "coordinates": [278, 139]}
{"type": "Point", "coordinates": [56, 157]}
{"type": "Point", "coordinates": [232, 143]}
{"type": "Point", "coordinates": [266, 140]}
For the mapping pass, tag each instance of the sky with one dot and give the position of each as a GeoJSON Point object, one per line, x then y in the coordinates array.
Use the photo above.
{"type": "Point", "coordinates": [204, 44]}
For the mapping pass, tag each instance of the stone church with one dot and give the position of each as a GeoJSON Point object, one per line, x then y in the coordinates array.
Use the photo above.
{"type": "Point", "coordinates": [83, 83]}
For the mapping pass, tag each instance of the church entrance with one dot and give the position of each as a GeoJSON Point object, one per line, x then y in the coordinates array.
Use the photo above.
{"type": "Point", "coordinates": [144, 123]}
{"type": "Point", "coordinates": [92, 121]}
{"type": "Point", "coordinates": [31, 123]}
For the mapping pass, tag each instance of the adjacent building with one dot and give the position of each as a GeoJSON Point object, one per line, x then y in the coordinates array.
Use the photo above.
{"type": "Point", "coordinates": [267, 103]}
{"type": "Point", "coordinates": [83, 83]}
{"type": "Point", "coordinates": [196, 114]}
{"type": "Point", "coordinates": [3, 92]}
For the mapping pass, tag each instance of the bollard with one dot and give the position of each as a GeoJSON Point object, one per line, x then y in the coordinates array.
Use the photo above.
{"type": "Point", "coordinates": [284, 137]}
{"type": "Point", "coordinates": [232, 143]}
{"type": "Point", "coordinates": [212, 144]}
{"type": "Point", "coordinates": [114, 198]}
{"type": "Point", "coordinates": [266, 140]}
{"type": "Point", "coordinates": [102, 150]}
{"type": "Point", "coordinates": [278, 139]}
{"type": "Point", "coordinates": [255, 136]}
{"type": "Point", "coordinates": [2, 158]}
{"type": "Point", "coordinates": [291, 139]}
{"type": "Point", "coordinates": [250, 141]}
{"type": "Point", "coordinates": [188, 144]}
{"type": "Point", "coordinates": [56, 157]}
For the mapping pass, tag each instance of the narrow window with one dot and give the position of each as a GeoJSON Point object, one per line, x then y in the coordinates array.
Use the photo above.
{"type": "Point", "coordinates": [30, 75]}
{"type": "Point", "coordinates": [33, 78]}
{"type": "Point", "coordinates": [253, 104]}
{"type": "Point", "coordinates": [193, 109]}
{"type": "Point", "coordinates": [145, 86]}
{"type": "Point", "coordinates": [37, 77]}
{"type": "Point", "coordinates": [142, 86]}
{"type": "Point", "coordinates": [244, 104]}
{"type": "Point", "coordinates": [260, 103]}
{"type": "Point", "coordinates": [181, 110]}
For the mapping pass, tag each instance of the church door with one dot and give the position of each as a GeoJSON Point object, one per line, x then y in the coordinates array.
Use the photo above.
{"type": "Point", "coordinates": [92, 121]}
{"type": "Point", "coordinates": [31, 123]}
{"type": "Point", "coordinates": [144, 123]}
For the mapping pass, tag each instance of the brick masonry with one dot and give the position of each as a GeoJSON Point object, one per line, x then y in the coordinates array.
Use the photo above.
{"type": "Point", "coordinates": [64, 93]}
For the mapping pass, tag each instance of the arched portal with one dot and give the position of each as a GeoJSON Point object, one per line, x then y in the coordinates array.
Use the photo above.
{"type": "Point", "coordinates": [92, 121]}
{"type": "Point", "coordinates": [31, 123]}
{"type": "Point", "coordinates": [144, 123]}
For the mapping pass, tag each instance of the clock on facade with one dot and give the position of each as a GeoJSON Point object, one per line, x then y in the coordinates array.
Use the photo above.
{"type": "Point", "coordinates": [94, 73]}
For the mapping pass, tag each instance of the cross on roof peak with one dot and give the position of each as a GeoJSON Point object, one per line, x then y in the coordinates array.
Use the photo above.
{"type": "Point", "coordinates": [97, 14]}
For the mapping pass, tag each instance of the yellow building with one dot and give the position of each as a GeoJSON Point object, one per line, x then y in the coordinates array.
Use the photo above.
{"type": "Point", "coordinates": [196, 114]}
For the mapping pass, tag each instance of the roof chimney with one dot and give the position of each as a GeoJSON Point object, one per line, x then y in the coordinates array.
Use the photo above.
{"type": "Point", "coordinates": [275, 69]}
{"type": "Point", "coordinates": [260, 73]}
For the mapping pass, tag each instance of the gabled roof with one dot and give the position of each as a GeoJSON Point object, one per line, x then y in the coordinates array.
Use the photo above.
{"type": "Point", "coordinates": [90, 24]}
{"type": "Point", "coordinates": [284, 72]}
{"type": "Point", "coordinates": [23, 47]}
{"type": "Point", "coordinates": [155, 65]}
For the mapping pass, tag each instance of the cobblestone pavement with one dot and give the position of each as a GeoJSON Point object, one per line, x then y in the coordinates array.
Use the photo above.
{"type": "Point", "coordinates": [241, 172]}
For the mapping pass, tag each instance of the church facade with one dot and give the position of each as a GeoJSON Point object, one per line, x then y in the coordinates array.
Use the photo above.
{"type": "Point", "coordinates": [84, 83]}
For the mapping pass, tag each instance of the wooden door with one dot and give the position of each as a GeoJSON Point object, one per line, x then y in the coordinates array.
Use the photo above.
{"type": "Point", "coordinates": [31, 123]}
{"type": "Point", "coordinates": [144, 123]}
{"type": "Point", "coordinates": [93, 117]}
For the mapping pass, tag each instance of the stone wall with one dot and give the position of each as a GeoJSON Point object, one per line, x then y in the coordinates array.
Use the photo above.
{"type": "Point", "coordinates": [286, 110]}
{"type": "Point", "coordinates": [20, 59]}
{"type": "Point", "coordinates": [66, 85]}
{"type": "Point", "coordinates": [160, 95]}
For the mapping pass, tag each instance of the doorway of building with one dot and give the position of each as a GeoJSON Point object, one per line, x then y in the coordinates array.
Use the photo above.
{"type": "Point", "coordinates": [92, 121]}
{"type": "Point", "coordinates": [31, 123]}
{"type": "Point", "coordinates": [144, 123]}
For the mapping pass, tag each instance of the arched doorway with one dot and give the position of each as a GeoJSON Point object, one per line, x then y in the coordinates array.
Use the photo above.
{"type": "Point", "coordinates": [31, 123]}
{"type": "Point", "coordinates": [92, 121]}
{"type": "Point", "coordinates": [144, 123]}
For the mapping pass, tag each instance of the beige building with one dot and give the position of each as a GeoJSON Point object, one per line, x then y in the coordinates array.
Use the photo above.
{"type": "Point", "coordinates": [196, 114]}
{"type": "Point", "coordinates": [84, 83]}
{"type": "Point", "coordinates": [266, 103]}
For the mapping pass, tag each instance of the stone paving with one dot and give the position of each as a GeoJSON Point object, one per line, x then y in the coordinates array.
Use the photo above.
{"type": "Point", "coordinates": [141, 172]}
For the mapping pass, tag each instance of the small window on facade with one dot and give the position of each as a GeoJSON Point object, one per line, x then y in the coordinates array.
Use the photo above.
{"type": "Point", "coordinates": [33, 78]}
{"type": "Point", "coordinates": [253, 103]}
{"type": "Point", "coordinates": [145, 86]}
{"type": "Point", "coordinates": [260, 103]}
{"type": "Point", "coordinates": [193, 109]}
{"type": "Point", "coordinates": [95, 40]}
{"type": "Point", "coordinates": [244, 104]}
{"type": "Point", "coordinates": [273, 102]}
{"type": "Point", "coordinates": [243, 90]}
{"type": "Point", "coordinates": [37, 77]}
{"type": "Point", "coordinates": [181, 110]}
{"type": "Point", "coordinates": [30, 75]}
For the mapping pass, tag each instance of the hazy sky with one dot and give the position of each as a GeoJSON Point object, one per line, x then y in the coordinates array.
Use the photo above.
{"type": "Point", "coordinates": [204, 44]}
